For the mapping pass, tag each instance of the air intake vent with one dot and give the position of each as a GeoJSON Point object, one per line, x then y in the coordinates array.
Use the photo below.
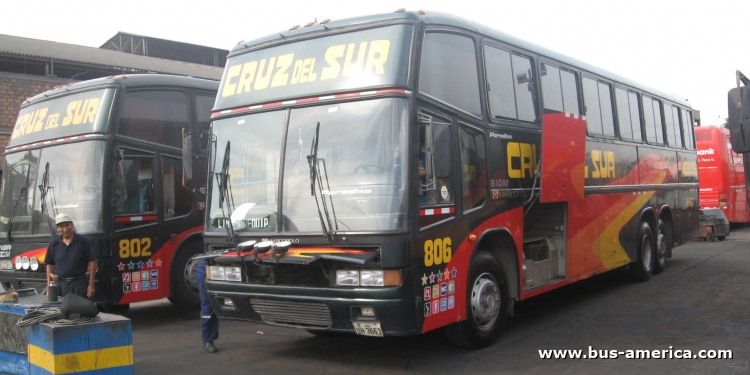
{"type": "Point", "coordinates": [292, 314]}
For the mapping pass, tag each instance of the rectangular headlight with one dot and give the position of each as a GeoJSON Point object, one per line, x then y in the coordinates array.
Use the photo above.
{"type": "Point", "coordinates": [216, 273]}
{"type": "Point", "coordinates": [6, 264]}
{"type": "Point", "coordinates": [347, 277]}
{"type": "Point", "coordinates": [233, 274]}
{"type": "Point", "coordinates": [371, 278]}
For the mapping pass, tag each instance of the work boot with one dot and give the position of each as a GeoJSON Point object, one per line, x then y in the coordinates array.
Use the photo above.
{"type": "Point", "coordinates": [209, 347]}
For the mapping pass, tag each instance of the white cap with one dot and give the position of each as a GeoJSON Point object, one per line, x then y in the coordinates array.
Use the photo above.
{"type": "Point", "coordinates": [63, 218]}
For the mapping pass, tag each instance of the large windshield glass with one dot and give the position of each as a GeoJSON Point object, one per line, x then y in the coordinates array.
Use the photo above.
{"type": "Point", "coordinates": [80, 113]}
{"type": "Point", "coordinates": [73, 186]}
{"type": "Point", "coordinates": [361, 161]}
{"type": "Point", "coordinates": [361, 158]}
{"type": "Point", "coordinates": [340, 62]}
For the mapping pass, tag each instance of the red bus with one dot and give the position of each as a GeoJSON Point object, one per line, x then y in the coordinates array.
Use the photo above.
{"type": "Point", "coordinates": [400, 173]}
{"type": "Point", "coordinates": [108, 153]}
{"type": "Point", "coordinates": [721, 174]}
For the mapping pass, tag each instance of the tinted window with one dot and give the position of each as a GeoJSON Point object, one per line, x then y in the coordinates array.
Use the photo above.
{"type": "Point", "coordinates": [473, 165]}
{"type": "Point", "coordinates": [203, 106]}
{"type": "Point", "coordinates": [687, 129]}
{"type": "Point", "coordinates": [177, 199]}
{"type": "Point", "coordinates": [434, 169]}
{"type": "Point", "coordinates": [560, 90]}
{"type": "Point", "coordinates": [156, 116]}
{"type": "Point", "coordinates": [672, 122]}
{"type": "Point", "coordinates": [449, 71]}
{"type": "Point", "coordinates": [591, 101]}
{"type": "Point", "coordinates": [652, 118]}
{"type": "Point", "coordinates": [628, 114]}
{"type": "Point", "coordinates": [510, 85]}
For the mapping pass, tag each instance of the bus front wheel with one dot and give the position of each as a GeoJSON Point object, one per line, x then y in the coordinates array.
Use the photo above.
{"type": "Point", "coordinates": [486, 305]}
{"type": "Point", "coordinates": [184, 293]}
{"type": "Point", "coordinates": [643, 267]}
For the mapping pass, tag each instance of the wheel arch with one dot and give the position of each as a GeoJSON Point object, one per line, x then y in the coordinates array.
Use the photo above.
{"type": "Point", "coordinates": [191, 240]}
{"type": "Point", "coordinates": [500, 243]}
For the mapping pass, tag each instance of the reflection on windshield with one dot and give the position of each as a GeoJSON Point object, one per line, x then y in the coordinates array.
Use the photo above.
{"type": "Point", "coordinates": [361, 161]}
{"type": "Point", "coordinates": [361, 154]}
{"type": "Point", "coordinates": [74, 186]}
{"type": "Point", "coordinates": [252, 172]}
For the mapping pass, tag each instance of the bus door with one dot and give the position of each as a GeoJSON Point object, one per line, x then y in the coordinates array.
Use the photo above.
{"type": "Point", "coordinates": [437, 238]}
{"type": "Point", "coordinates": [137, 273]}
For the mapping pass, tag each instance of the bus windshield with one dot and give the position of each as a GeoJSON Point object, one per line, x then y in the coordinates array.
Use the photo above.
{"type": "Point", "coordinates": [361, 160]}
{"type": "Point", "coordinates": [73, 185]}
{"type": "Point", "coordinates": [333, 63]}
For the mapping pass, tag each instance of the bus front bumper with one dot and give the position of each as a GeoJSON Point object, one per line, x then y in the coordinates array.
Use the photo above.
{"type": "Point", "coordinates": [325, 309]}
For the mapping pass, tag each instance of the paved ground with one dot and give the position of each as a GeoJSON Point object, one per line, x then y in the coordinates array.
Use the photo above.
{"type": "Point", "coordinates": [700, 302]}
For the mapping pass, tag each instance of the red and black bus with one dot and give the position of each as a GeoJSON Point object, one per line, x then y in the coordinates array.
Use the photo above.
{"type": "Point", "coordinates": [399, 173]}
{"type": "Point", "coordinates": [721, 173]}
{"type": "Point", "coordinates": [108, 153]}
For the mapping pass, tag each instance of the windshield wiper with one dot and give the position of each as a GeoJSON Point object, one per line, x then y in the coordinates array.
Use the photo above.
{"type": "Point", "coordinates": [21, 194]}
{"type": "Point", "coordinates": [329, 228]}
{"type": "Point", "coordinates": [225, 192]}
{"type": "Point", "coordinates": [44, 188]}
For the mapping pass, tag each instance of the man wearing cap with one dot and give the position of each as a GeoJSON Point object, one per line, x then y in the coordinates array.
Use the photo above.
{"type": "Point", "coordinates": [68, 257]}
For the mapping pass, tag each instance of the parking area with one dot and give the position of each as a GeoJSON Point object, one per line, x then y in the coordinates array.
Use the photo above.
{"type": "Point", "coordinates": [699, 303]}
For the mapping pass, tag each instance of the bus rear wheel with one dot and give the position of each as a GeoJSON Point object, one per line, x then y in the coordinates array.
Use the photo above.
{"type": "Point", "coordinates": [486, 305]}
{"type": "Point", "coordinates": [184, 289]}
{"type": "Point", "coordinates": [643, 267]}
{"type": "Point", "coordinates": [663, 244]}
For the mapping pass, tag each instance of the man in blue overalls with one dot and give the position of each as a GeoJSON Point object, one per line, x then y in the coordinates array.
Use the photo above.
{"type": "Point", "coordinates": [209, 321]}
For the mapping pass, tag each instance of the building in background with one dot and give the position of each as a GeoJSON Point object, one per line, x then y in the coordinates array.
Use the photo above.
{"type": "Point", "coordinates": [31, 66]}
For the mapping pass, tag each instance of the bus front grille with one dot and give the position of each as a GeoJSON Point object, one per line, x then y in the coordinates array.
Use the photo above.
{"type": "Point", "coordinates": [292, 314]}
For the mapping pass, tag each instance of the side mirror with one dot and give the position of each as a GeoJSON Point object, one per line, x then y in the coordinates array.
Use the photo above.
{"type": "Point", "coordinates": [739, 118]}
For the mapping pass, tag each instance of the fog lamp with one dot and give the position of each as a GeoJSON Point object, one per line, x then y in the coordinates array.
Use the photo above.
{"type": "Point", "coordinates": [25, 263]}
{"type": "Point", "coordinates": [18, 262]}
{"type": "Point", "coordinates": [34, 264]}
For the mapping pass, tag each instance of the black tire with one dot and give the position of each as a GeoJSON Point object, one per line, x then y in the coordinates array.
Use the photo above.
{"type": "Point", "coordinates": [721, 238]}
{"type": "Point", "coordinates": [486, 305]}
{"type": "Point", "coordinates": [663, 246]}
{"type": "Point", "coordinates": [184, 288]}
{"type": "Point", "coordinates": [643, 267]}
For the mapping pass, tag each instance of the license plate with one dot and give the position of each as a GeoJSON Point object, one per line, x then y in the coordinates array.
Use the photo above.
{"type": "Point", "coordinates": [4, 253]}
{"type": "Point", "coordinates": [368, 329]}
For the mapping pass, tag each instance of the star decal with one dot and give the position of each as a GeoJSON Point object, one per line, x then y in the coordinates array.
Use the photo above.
{"type": "Point", "coordinates": [440, 276]}
{"type": "Point", "coordinates": [158, 262]}
{"type": "Point", "coordinates": [454, 272]}
{"type": "Point", "coordinates": [131, 265]}
{"type": "Point", "coordinates": [447, 274]}
{"type": "Point", "coordinates": [424, 279]}
{"type": "Point", "coordinates": [150, 263]}
{"type": "Point", "coordinates": [121, 266]}
{"type": "Point", "coordinates": [140, 265]}
{"type": "Point", "coordinates": [432, 277]}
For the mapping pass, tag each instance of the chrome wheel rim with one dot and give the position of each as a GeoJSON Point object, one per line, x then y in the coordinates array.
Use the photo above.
{"type": "Point", "coordinates": [646, 253]}
{"type": "Point", "coordinates": [485, 300]}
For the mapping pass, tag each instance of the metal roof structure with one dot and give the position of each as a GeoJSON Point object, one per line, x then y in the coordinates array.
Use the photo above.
{"type": "Point", "coordinates": [48, 51]}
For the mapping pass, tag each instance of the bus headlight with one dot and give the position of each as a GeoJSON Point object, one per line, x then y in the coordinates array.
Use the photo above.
{"type": "Point", "coordinates": [34, 264]}
{"type": "Point", "coordinates": [232, 274]}
{"type": "Point", "coordinates": [18, 262]}
{"type": "Point", "coordinates": [371, 278]}
{"type": "Point", "coordinates": [216, 273]}
{"type": "Point", "coordinates": [347, 277]}
{"type": "Point", "coordinates": [25, 263]}
{"type": "Point", "coordinates": [220, 273]}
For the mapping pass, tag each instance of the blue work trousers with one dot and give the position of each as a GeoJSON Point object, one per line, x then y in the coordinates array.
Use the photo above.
{"type": "Point", "coordinates": [209, 321]}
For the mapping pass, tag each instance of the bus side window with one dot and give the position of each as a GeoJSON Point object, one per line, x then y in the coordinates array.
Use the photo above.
{"type": "Point", "coordinates": [687, 129]}
{"type": "Point", "coordinates": [598, 101]}
{"type": "Point", "coordinates": [474, 168]}
{"type": "Point", "coordinates": [628, 115]}
{"type": "Point", "coordinates": [203, 106]}
{"type": "Point", "coordinates": [672, 122]}
{"type": "Point", "coordinates": [435, 189]}
{"type": "Point", "coordinates": [178, 200]}
{"type": "Point", "coordinates": [143, 199]}
{"type": "Point", "coordinates": [156, 116]}
{"type": "Point", "coordinates": [652, 117]}
{"type": "Point", "coordinates": [510, 85]}
{"type": "Point", "coordinates": [560, 89]}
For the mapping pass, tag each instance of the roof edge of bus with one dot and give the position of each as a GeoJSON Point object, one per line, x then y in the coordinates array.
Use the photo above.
{"type": "Point", "coordinates": [447, 19]}
{"type": "Point", "coordinates": [154, 79]}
